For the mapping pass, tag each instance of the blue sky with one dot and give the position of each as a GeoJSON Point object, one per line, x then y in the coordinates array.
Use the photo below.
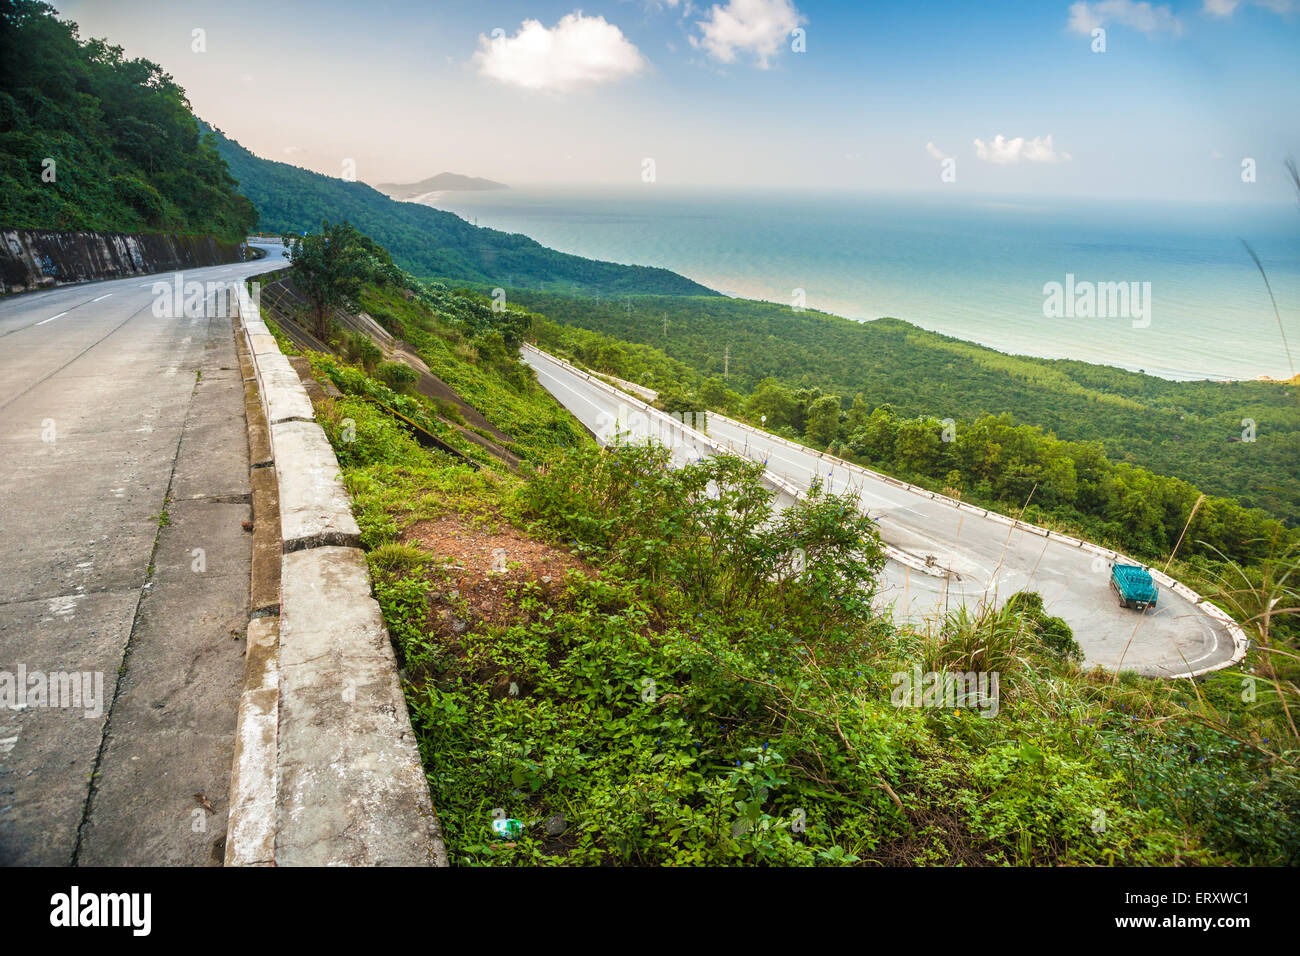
{"type": "Point", "coordinates": [715, 96]}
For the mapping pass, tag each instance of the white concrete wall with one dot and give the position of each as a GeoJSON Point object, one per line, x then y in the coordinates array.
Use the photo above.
{"type": "Point", "coordinates": [328, 771]}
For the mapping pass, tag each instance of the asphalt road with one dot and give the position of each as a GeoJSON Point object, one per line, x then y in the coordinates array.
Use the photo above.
{"type": "Point", "coordinates": [112, 415]}
{"type": "Point", "coordinates": [978, 559]}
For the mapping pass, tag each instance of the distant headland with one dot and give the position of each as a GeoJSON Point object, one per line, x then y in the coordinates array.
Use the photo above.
{"type": "Point", "coordinates": [443, 182]}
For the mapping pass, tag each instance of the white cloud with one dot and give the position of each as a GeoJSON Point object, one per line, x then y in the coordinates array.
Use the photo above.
{"type": "Point", "coordinates": [936, 153]}
{"type": "Point", "coordinates": [577, 51]}
{"type": "Point", "coordinates": [1008, 152]}
{"type": "Point", "coordinates": [759, 27]}
{"type": "Point", "coordinates": [1221, 8]}
{"type": "Point", "coordinates": [1226, 8]}
{"type": "Point", "coordinates": [1085, 17]}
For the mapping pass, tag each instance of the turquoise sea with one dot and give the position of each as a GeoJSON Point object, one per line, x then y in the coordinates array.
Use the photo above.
{"type": "Point", "coordinates": [970, 267]}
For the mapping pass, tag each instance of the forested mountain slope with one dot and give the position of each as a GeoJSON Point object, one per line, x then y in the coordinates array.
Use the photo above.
{"type": "Point", "coordinates": [91, 140]}
{"type": "Point", "coordinates": [428, 242]}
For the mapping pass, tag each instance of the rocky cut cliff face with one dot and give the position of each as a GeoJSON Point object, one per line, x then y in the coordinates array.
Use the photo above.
{"type": "Point", "coordinates": [39, 258]}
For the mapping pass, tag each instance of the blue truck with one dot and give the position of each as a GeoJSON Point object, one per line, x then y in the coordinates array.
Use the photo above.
{"type": "Point", "coordinates": [1134, 586]}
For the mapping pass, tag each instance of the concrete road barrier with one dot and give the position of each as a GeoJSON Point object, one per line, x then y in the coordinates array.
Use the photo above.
{"type": "Point", "coordinates": [315, 508]}
{"type": "Point", "coordinates": [283, 396]}
{"type": "Point", "coordinates": [351, 788]}
{"type": "Point", "coordinates": [327, 771]}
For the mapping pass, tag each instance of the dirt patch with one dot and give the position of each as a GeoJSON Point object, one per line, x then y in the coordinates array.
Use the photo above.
{"type": "Point", "coordinates": [504, 556]}
{"type": "Point", "coordinates": [480, 567]}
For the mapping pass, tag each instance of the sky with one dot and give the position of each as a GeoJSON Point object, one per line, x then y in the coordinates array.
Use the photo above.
{"type": "Point", "coordinates": [1112, 99]}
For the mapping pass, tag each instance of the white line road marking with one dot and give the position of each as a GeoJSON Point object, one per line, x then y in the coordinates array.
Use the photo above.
{"type": "Point", "coordinates": [52, 318]}
{"type": "Point", "coordinates": [101, 298]}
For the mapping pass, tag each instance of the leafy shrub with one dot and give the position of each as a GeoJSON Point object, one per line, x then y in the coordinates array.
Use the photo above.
{"type": "Point", "coordinates": [358, 347]}
{"type": "Point", "coordinates": [397, 375]}
{"type": "Point", "coordinates": [1051, 632]}
{"type": "Point", "coordinates": [370, 435]}
{"type": "Point", "coordinates": [141, 197]}
{"type": "Point", "coordinates": [710, 530]}
{"type": "Point", "coordinates": [1237, 801]}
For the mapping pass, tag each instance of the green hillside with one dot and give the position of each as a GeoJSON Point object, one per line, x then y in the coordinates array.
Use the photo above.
{"type": "Point", "coordinates": [428, 242]}
{"type": "Point", "coordinates": [92, 140]}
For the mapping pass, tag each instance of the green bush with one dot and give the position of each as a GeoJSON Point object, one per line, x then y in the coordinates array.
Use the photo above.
{"type": "Point", "coordinates": [397, 376]}
{"type": "Point", "coordinates": [357, 347]}
{"type": "Point", "coordinates": [1052, 633]}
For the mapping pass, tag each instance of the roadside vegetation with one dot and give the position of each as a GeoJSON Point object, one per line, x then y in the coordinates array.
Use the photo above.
{"type": "Point", "coordinates": [649, 666]}
{"type": "Point", "coordinates": [688, 693]}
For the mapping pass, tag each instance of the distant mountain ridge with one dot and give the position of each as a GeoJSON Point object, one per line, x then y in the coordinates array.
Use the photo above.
{"type": "Point", "coordinates": [430, 243]}
{"type": "Point", "coordinates": [441, 182]}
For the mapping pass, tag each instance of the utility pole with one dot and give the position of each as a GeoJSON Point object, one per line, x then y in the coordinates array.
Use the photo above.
{"type": "Point", "coordinates": [726, 361]}
{"type": "Point", "coordinates": [665, 325]}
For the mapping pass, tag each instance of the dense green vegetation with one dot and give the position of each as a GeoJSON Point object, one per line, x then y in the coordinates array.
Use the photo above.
{"type": "Point", "coordinates": [425, 241]}
{"type": "Point", "coordinates": [704, 699]}
{"type": "Point", "coordinates": [472, 347]}
{"type": "Point", "coordinates": [127, 154]}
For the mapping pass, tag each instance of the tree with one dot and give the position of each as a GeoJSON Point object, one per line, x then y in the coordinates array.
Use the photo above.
{"type": "Point", "coordinates": [714, 394]}
{"type": "Point", "coordinates": [823, 421]}
{"type": "Point", "coordinates": [916, 446]}
{"type": "Point", "coordinates": [875, 439]}
{"type": "Point", "coordinates": [781, 406]}
{"type": "Point", "coordinates": [859, 412]}
{"type": "Point", "coordinates": [328, 268]}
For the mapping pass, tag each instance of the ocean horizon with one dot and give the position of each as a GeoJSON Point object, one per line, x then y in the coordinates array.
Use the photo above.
{"type": "Point", "coordinates": [1192, 304]}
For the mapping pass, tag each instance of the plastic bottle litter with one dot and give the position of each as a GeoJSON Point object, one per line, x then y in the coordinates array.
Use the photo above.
{"type": "Point", "coordinates": [508, 828]}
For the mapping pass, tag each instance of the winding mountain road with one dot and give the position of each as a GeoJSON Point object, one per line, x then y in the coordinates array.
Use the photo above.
{"type": "Point", "coordinates": [942, 554]}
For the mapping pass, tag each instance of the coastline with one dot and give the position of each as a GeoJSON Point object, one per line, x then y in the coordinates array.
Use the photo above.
{"type": "Point", "coordinates": [1169, 375]}
{"type": "Point", "coordinates": [972, 268]}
